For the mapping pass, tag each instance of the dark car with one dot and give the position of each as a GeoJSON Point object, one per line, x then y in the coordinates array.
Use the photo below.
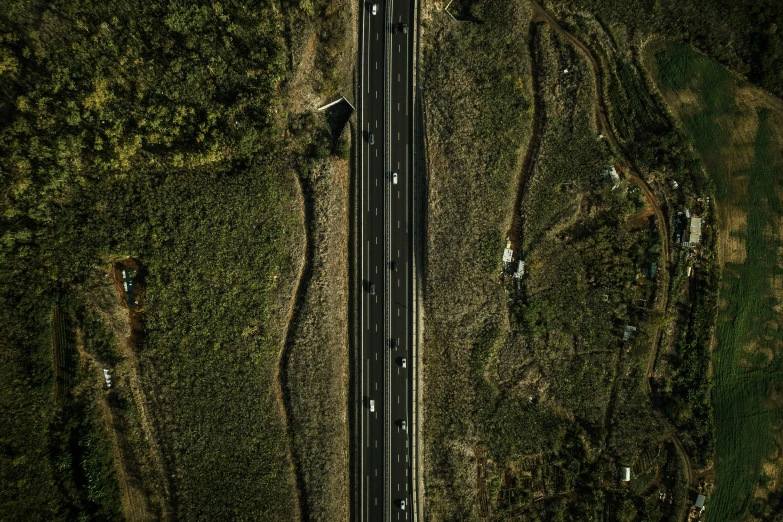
{"type": "Point", "coordinates": [393, 266]}
{"type": "Point", "coordinates": [371, 139]}
{"type": "Point", "coordinates": [393, 343]}
{"type": "Point", "coordinates": [372, 288]}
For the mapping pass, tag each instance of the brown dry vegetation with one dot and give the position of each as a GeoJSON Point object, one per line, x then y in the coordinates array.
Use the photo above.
{"type": "Point", "coordinates": [313, 368]}
{"type": "Point", "coordinates": [472, 175]}
{"type": "Point", "coordinates": [315, 363]}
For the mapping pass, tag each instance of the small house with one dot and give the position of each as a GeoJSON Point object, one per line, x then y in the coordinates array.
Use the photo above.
{"type": "Point", "coordinates": [611, 173]}
{"type": "Point", "coordinates": [107, 376]}
{"type": "Point", "coordinates": [508, 253]}
{"type": "Point", "coordinates": [625, 474]}
{"type": "Point", "coordinates": [629, 330]}
{"type": "Point", "coordinates": [699, 504]}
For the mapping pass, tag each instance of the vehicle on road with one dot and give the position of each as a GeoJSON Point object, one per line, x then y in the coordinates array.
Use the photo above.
{"type": "Point", "coordinates": [372, 288]}
{"type": "Point", "coordinates": [404, 363]}
{"type": "Point", "coordinates": [375, 9]}
{"type": "Point", "coordinates": [371, 139]}
{"type": "Point", "coordinates": [393, 343]}
{"type": "Point", "coordinates": [402, 504]}
{"type": "Point", "coordinates": [400, 28]}
{"type": "Point", "coordinates": [372, 406]}
{"type": "Point", "coordinates": [394, 178]}
{"type": "Point", "coordinates": [393, 266]}
{"type": "Point", "coordinates": [403, 425]}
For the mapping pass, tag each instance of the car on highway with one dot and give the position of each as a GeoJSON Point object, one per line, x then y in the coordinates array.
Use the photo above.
{"type": "Point", "coordinates": [372, 289]}
{"type": "Point", "coordinates": [403, 425]}
{"type": "Point", "coordinates": [402, 504]}
{"type": "Point", "coordinates": [400, 28]}
{"type": "Point", "coordinates": [371, 138]}
{"type": "Point", "coordinates": [372, 406]}
{"type": "Point", "coordinates": [375, 9]}
{"type": "Point", "coordinates": [393, 266]}
{"type": "Point", "coordinates": [393, 343]}
{"type": "Point", "coordinates": [394, 178]}
{"type": "Point", "coordinates": [404, 363]}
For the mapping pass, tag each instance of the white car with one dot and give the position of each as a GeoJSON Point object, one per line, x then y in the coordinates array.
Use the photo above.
{"type": "Point", "coordinates": [403, 425]}
{"type": "Point", "coordinates": [402, 504]}
{"type": "Point", "coordinates": [404, 363]}
{"type": "Point", "coordinates": [375, 9]}
{"type": "Point", "coordinates": [372, 406]}
{"type": "Point", "coordinates": [394, 178]}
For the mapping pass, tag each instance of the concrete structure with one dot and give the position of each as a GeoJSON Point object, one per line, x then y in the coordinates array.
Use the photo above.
{"type": "Point", "coordinates": [625, 474]}
{"type": "Point", "coordinates": [520, 270]}
{"type": "Point", "coordinates": [699, 504]}
{"type": "Point", "coordinates": [673, 184]}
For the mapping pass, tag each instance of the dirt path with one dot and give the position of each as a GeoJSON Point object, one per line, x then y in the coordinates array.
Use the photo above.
{"type": "Point", "coordinates": [514, 232]}
{"type": "Point", "coordinates": [636, 178]}
{"type": "Point", "coordinates": [280, 381]}
{"type": "Point", "coordinates": [134, 501]}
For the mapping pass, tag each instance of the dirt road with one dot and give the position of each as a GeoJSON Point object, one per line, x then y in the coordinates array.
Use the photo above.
{"type": "Point", "coordinates": [636, 178]}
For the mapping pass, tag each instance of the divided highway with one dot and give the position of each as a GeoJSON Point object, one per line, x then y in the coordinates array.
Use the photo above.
{"type": "Point", "coordinates": [385, 254]}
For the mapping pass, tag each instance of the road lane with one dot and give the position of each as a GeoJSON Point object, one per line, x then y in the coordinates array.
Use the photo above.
{"type": "Point", "coordinates": [385, 333]}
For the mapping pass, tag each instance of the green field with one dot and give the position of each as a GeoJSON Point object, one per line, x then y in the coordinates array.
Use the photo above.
{"type": "Point", "coordinates": [747, 365]}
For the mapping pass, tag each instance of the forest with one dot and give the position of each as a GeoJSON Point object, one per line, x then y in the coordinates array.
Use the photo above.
{"type": "Point", "coordinates": [161, 131]}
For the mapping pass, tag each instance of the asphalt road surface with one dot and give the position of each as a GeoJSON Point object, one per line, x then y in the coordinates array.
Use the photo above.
{"type": "Point", "coordinates": [385, 253]}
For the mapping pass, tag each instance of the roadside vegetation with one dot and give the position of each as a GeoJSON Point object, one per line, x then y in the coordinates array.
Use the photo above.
{"type": "Point", "coordinates": [478, 114]}
{"type": "Point", "coordinates": [744, 163]}
{"type": "Point", "coordinates": [163, 133]}
{"type": "Point", "coordinates": [314, 365]}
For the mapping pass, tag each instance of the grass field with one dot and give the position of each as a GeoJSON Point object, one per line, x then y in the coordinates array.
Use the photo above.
{"type": "Point", "coordinates": [738, 131]}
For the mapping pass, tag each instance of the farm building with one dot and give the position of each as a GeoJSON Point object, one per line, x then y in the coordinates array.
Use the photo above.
{"type": "Point", "coordinates": [699, 504]}
{"type": "Point", "coordinates": [625, 474]}
{"type": "Point", "coordinates": [693, 233]}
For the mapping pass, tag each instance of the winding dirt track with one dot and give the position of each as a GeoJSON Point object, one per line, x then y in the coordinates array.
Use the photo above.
{"type": "Point", "coordinates": [636, 178]}
{"type": "Point", "coordinates": [281, 388]}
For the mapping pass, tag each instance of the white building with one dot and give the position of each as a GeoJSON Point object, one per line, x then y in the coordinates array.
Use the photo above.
{"type": "Point", "coordinates": [508, 253]}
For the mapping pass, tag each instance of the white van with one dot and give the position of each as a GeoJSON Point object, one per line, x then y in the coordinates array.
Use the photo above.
{"type": "Point", "coordinates": [372, 406]}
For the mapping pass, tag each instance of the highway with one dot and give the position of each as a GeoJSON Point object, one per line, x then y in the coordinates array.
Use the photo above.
{"type": "Point", "coordinates": [385, 249]}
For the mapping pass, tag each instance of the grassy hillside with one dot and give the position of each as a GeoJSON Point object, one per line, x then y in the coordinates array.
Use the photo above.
{"type": "Point", "coordinates": [533, 399]}
{"type": "Point", "coordinates": [738, 131]}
